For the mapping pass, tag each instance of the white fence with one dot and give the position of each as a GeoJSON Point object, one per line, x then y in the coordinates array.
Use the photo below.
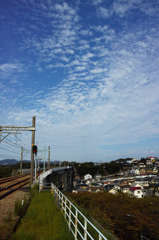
{"type": "Point", "coordinates": [78, 224]}
{"type": "Point", "coordinates": [42, 177]}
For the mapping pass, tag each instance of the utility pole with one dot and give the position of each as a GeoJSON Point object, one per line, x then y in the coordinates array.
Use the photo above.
{"type": "Point", "coordinates": [48, 164]}
{"type": "Point", "coordinates": [32, 154]}
{"type": "Point", "coordinates": [17, 128]}
{"type": "Point", "coordinates": [21, 160]}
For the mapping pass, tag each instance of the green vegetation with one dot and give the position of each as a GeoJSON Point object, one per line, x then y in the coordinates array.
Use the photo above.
{"type": "Point", "coordinates": [89, 167]}
{"type": "Point", "coordinates": [103, 169]}
{"type": "Point", "coordinates": [42, 220]}
{"type": "Point", "coordinates": [8, 218]}
{"type": "Point", "coordinates": [5, 171]}
{"type": "Point", "coordinates": [90, 229]}
{"type": "Point", "coordinates": [19, 207]}
{"type": "Point", "coordinates": [126, 217]}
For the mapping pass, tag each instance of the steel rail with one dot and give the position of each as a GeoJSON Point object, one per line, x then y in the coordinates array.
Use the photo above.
{"type": "Point", "coordinates": [13, 190]}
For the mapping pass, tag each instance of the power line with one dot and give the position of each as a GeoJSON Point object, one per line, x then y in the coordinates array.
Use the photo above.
{"type": "Point", "coordinates": [9, 150]}
{"type": "Point", "coordinates": [12, 143]}
{"type": "Point", "coordinates": [2, 155]}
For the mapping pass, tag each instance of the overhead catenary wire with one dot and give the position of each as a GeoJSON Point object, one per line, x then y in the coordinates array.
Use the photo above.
{"type": "Point", "coordinates": [13, 143]}
{"type": "Point", "coordinates": [9, 146]}
{"type": "Point", "coordinates": [9, 150]}
{"type": "Point", "coordinates": [2, 156]}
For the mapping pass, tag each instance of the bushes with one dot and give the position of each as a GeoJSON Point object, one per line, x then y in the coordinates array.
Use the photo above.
{"type": "Point", "coordinates": [20, 207]}
{"type": "Point", "coordinates": [5, 171]}
{"type": "Point", "coordinates": [125, 216]}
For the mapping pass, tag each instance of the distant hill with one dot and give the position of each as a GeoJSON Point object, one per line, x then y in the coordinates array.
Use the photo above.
{"type": "Point", "coordinates": [14, 161]}
{"type": "Point", "coordinates": [10, 161]}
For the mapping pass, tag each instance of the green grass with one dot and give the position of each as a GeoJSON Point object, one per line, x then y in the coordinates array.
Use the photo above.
{"type": "Point", "coordinates": [43, 221]}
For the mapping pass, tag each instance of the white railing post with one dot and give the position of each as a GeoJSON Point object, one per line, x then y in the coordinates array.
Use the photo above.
{"type": "Point", "coordinates": [69, 223]}
{"type": "Point", "coordinates": [65, 206]}
{"type": "Point", "coordinates": [85, 229]}
{"type": "Point", "coordinates": [76, 225]}
{"type": "Point", "coordinates": [62, 203]}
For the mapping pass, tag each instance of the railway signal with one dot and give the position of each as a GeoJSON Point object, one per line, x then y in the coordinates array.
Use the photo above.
{"type": "Point", "coordinates": [34, 149]}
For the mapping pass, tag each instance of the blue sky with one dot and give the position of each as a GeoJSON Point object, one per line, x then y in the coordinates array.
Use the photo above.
{"type": "Point", "coordinates": [88, 70]}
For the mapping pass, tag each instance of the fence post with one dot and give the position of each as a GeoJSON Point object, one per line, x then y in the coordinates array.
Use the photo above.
{"type": "Point", "coordinates": [65, 206]}
{"type": "Point", "coordinates": [100, 238]}
{"type": "Point", "coordinates": [76, 225]}
{"type": "Point", "coordinates": [69, 224]}
{"type": "Point", "coordinates": [62, 203]}
{"type": "Point", "coordinates": [85, 229]}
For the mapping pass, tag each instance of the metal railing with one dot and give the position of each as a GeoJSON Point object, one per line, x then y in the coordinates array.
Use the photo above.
{"type": "Point", "coordinates": [41, 179]}
{"type": "Point", "coordinates": [78, 224]}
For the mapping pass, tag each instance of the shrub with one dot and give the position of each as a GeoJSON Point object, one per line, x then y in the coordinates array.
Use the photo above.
{"type": "Point", "coordinates": [20, 206]}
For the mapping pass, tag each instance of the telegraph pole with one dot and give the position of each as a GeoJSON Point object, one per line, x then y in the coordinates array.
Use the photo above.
{"type": "Point", "coordinates": [48, 164]}
{"type": "Point", "coordinates": [32, 154]}
{"type": "Point", "coordinates": [21, 160]}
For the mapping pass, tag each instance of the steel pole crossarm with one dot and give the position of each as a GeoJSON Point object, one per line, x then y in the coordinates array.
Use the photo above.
{"type": "Point", "coordinates": [42, 150]}
{"type": "Point", "coordinates": [15, 128]}
{"type": "Point", "coordinates": [4, 137]}
{"type": "Point", "coordinates": [11, 132]}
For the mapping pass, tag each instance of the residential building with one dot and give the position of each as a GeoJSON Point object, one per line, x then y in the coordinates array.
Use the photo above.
{"type": "Point", "coordinates": [136, 191]}
{"type": "Point", "coordinates": [87, 176]}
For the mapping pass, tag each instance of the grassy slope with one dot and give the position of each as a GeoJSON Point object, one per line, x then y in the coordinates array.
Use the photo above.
{"type": "Point", "coordinates": [43, 221]}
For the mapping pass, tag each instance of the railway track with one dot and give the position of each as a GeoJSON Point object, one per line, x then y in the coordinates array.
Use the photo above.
{"type": "Point", "coordinates": [17, 183]}
{"type": "Point", "coordinates": [7, 179]}
{"type": "Point", "coordinates": [6, 192]}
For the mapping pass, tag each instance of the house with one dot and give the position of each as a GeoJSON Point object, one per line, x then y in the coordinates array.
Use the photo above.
{"type": "Point", "coordinates": [89, 181]}
{"type": "Point", "coordinates": [113, 191]}
{"type": "Point", "coordinates": [81, 185]}
{"type": "Point", "coordinates": [137, 185]}
{"type": "Point", "coordinates": [132, 171]}
{"type": "Point", "coordinates": [156, 164]}
{"type": "Point", "coordinates": [76, 181]}
{"type": "Point", "coordinates": [136, 191]}
{"type": "Point", "coordinates": [107, 182]}
{"type": "Point", "coordinates": [123, 182]}
{"type": "Point", "coordinates": [125, 188]}
{"type": "Point", "coordinates": [94, 185]}
{"type": "Point", "coordinates": [141, 165]}
{"type": "Point", "coordinates": [108, 187]}
{"type": "Point", "coordinates": [97, 176]}
{"type": "Point", "coordinates": [96, 189]}
{"type": "Point", "coordinates": [142, 171]}
{"type": "Point", "coordinates": [155, 170]}
{"type": "Point", "coordinates": [137, 172]}
{"type": "Point", "coordinates": [142, 182]}
{"type": "Point", "coordinates": [149, 171]}
{"type": "Point", "coordinates": [135, 160]}
{"type": "Point", "coordinates": [76, 190]}
{"type": "Point", "coordinates": [152, 158]}
{"type": "Point", "coordinates": [87, 176]}
{"type": "Point", "coordinates": [149, 162]}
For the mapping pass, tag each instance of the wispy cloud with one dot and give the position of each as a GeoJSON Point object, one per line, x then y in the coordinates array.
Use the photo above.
{"type": "Point", "coordinates": [91, 81]}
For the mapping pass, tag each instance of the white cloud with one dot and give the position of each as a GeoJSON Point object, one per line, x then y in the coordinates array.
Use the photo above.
{"type": "Point", "coordinates": [80, 68]}
{"type": "Point", "coordinates": [103, 12]}
{"type": "Point", "coordinates": [86, 32]}
{"type": "Point", "coordinates": [99, 70]}
{"type": "Point", "coordinates": [99, 81]}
